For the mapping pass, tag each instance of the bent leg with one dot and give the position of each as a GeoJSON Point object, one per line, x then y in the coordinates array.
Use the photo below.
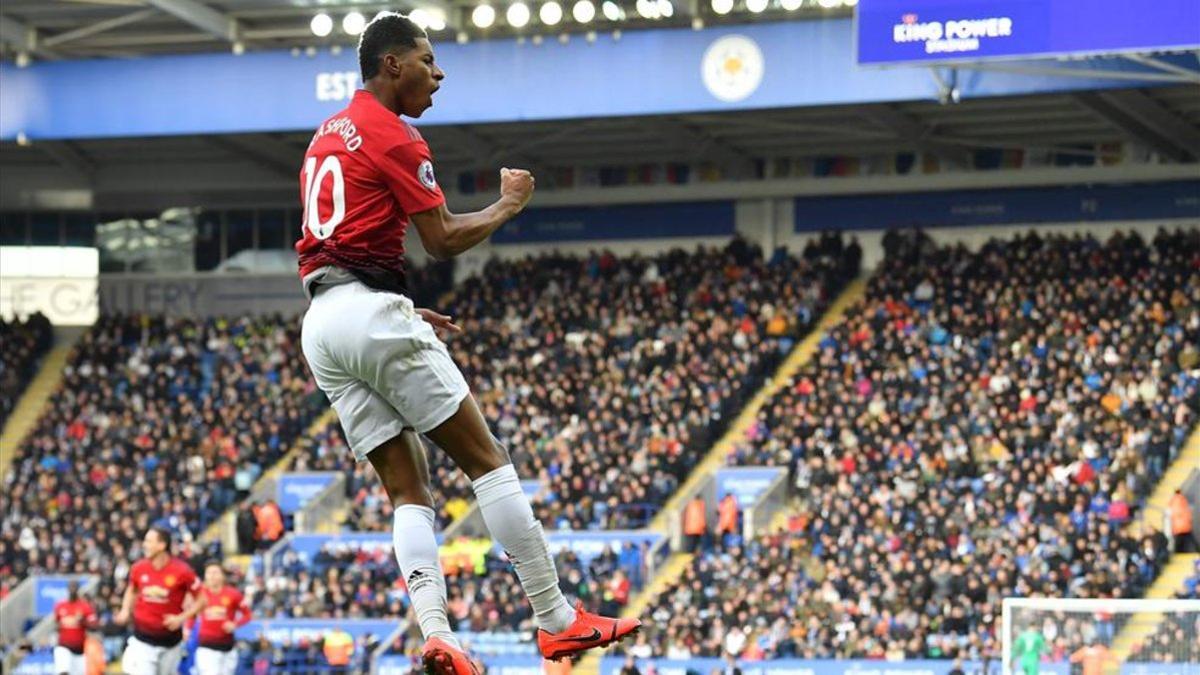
{"type": "Point", "coordinates": [506, 511]}
{"type": "Point", "coordinates": [466, 439]}
{"type": "Point", "coordinates": [400, 357]}
{"type": "Point", "coordinates": [403, 469]}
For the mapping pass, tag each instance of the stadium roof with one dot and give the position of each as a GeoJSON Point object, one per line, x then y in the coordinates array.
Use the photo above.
{"type": "Point", "coordinates": [1164, 119]}
{"type": "Point", "coordinates": [1157, 118]}
{"type": "Point", "coordinates": [55, 29]}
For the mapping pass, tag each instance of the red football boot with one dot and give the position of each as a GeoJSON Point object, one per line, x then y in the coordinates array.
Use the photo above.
{"type": "Point", "coordinates": [588, 632]}
{"type": "Point", "coordinates": [442, 658]}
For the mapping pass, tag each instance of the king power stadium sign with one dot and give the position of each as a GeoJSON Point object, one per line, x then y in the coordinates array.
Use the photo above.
{"type": "Point", "coordinates": [915, 31]}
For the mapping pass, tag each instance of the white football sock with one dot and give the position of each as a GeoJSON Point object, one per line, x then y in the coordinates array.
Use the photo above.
{"type": "Point", "coordinates": [416, 550]}
{"type": "Point", "coordinates": [509, 518]}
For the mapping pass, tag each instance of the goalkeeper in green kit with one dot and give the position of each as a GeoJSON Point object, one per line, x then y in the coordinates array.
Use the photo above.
{"type": "Point", "coordinates": [1028, 649]}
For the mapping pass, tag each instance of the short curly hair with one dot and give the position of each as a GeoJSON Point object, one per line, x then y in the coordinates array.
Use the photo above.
{"type": "Point", "coordinates": [388, 31]}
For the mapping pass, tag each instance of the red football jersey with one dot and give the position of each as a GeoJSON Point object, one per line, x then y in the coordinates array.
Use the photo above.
{"type": "Point", "coordinates": [364, 173]}
{"type": "Point", "coordinates": [227, 604]}
{"type": "Point", "coordinates": [73, 619]}
{"type": "Point", "coordinates": [160, 592]}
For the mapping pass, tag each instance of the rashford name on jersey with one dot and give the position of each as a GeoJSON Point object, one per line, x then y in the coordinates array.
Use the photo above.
{"type": "Point", "coordinates": [365, 173]}
{"type": "Point", "coordinates": [343, 127]}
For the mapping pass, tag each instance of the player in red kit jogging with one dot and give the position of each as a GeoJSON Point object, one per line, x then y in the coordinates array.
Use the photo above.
{"type": "Point", "coordinates": [162, 594]}
{"type": "Point", "coordinates": [74, 616]}
{"type": "Point", "coordinates": [367, 176]}
{"type": "Point", "coordinates": [225, 610]}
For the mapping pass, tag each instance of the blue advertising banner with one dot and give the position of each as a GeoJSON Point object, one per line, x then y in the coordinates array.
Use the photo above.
{"type": "Point", "coordinates": [612, 666]}
{"type": "Point", "coordinates": [49, 591]}
{"type": "Point", "coordinates": [398, 664]}
{"type": "Point", "coordinates": [308, 545]}
{"type": "Point", "coordinates": [38, 662]}
{"type": "Point", "coordinates": [755, 66]}
{"type": "Point", "coordinates": [586, 545]}
{"type": "Point", "coordinates": [643, 221]}
{"type": "Point", "coordinates": [293, 490]}
{"type": "Point", "coordinates": [394, 664]}
{"type": "Point", "coordinates": [514, 665]}
{"type": "Point", "coordinates": [1137, 668]}
{"type": "Point", "coordinates": [41, 662]}
{"type": "Point", "coordinates": [281, 631]}
{"type": "Point", "coordinates": [745, 483]}
{"type": "Point", "coordinates": [487, 643]}
{"type": "Point", "coordinates": [1176, 199]}
{"type": "Point", "coordinates": [915, 31]}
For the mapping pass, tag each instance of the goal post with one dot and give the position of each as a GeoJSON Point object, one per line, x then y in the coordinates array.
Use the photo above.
{"type": "Point", "coordinates": [1070, 636]}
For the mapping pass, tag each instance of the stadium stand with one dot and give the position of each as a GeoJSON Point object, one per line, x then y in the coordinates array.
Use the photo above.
{"type": "Point", "coordinates": [1177, 638]}
{"type": "Point", "coordinates": [222, 377]}
{"type": "Point", "coordinates": [984, 424]}
{"type": "Point", "coordinates": [22, 344]}
{"type": "Point", "coordinates": [484, 596]}
{"type": "Point", "coordinates": [1177, 632]}
{"type": "Point", "coordinates": [715, 319]}
{"type": "Point", "coordinates": [1175, 641]}
{"type": "Point", "coordinates": [303, 657]}
{"type": "Point", "coordinates": [788, 459]}
{"type": "Point", "coordinates": [231, 394]}
{"type": "Point", "coordinates": [483, 591]}
{"type": "Point", "coordinates": [1057, 422]}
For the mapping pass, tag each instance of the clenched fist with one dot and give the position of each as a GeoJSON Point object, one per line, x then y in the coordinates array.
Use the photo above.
{"type": "Point", "coordinates": [517, 185]}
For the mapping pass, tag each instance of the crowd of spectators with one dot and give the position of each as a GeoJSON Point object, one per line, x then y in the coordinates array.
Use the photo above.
{"type": "Point", "coordinates": [1177, 638]}
{"type": "Point", "coordinates": [484, 594]}
{"type": "Point", "coordinates": [304, 657]}
{"type": "Point", "coordinates": [983, 424]}
{"type": "Point", "coordinates": [623, 370]}
{"type": "Point", "coordinates": [22, 345]}
{"type": "Point", "coordinates": [157, 421]}
{"type": "Point", "coordinates": [605, 375]}
{"type": "Point", "coordinates": [566, 354]}
{"type": "Point", "coordinates": [1191, 585]}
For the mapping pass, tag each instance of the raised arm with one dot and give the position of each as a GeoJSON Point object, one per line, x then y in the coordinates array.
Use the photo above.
{"type": "Point", "coordinates": [446, 234]}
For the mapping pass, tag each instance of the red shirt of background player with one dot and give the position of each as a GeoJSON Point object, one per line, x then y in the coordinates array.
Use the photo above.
{"type": "Point", "coordinates": [365, 172]}
{"type": "Point", "coordinates": [226, 604]}
{"type": "Point", "coordinates": [160, 592]}
{"type": "Point", "coordinates": [74, 618]}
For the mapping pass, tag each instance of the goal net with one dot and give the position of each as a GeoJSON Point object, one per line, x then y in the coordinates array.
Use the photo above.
{"type": "Point", "coordinates": [1051, 636]}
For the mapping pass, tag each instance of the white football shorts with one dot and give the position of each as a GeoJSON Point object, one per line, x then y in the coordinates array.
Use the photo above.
{"type": "Point", "coordinates": [215, 661]}
{"type": "Point", "coordinates": [67, 661]}
{"type": "Point", "coordinates": [141, 658]}
{"type": "Point", "coordinates": [381, 365]}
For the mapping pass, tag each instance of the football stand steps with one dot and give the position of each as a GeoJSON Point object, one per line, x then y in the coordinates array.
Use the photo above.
{"type": "Point", "coordinates": [671, 571]}
{"type": "Point", "coordinates": [1180, 566]}
{"type": "Point", "coordinates": [45, 383]}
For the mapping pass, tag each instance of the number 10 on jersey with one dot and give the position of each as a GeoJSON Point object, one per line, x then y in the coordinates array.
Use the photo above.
{"type": "Point", "coordinates": [314, 180]}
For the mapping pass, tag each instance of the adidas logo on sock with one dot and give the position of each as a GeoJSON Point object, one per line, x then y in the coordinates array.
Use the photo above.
{"type": "Point", "coordinates": [418, 579]}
